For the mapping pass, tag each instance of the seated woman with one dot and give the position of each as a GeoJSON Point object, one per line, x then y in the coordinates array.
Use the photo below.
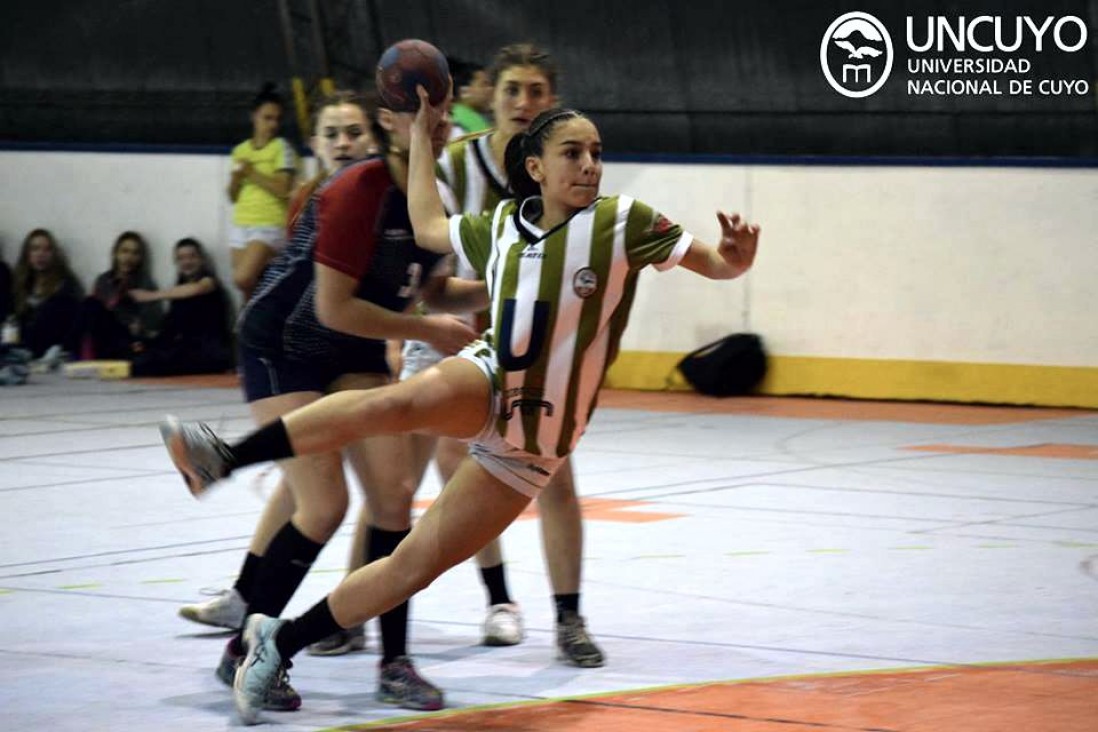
{"type": "Point", "coordinates": [46, 295]}
{"type": "Point", "coordinates": [116, 326]}
{"type": "Point", "coordinates": [195, 337]}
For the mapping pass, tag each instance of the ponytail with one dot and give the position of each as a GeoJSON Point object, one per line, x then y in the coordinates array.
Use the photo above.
{"type": "Point", "coordinates": [514, 162]}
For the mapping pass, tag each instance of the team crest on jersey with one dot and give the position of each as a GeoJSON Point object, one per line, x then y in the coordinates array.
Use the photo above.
{"type": "Point", "coordinates": [585, 282]}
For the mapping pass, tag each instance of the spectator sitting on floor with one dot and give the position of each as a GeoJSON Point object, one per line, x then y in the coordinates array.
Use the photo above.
{"type": "Point", "coordinates": [46, 296]}
{"type": "Point", "coordinates": [195, 337]}
{"type": "Point", "coordinates": [115, 325]}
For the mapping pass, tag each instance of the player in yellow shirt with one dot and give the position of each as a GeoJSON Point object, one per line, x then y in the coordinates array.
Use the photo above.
{"type": "Point", "coordinates": [264, 168]}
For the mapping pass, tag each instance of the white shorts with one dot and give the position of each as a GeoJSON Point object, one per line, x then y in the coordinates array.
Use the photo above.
{"type": "Point", "coordinates": [417, 356]}
{"type": "Point", "coordinates": [272, 236]}
{"type": "Point", "coordinates": [525, 472]}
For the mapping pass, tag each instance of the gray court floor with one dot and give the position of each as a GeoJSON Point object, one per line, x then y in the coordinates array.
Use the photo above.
{"type": "Point", "coordinates": [720, 546]}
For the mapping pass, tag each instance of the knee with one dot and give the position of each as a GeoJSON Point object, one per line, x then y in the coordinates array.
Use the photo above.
{"type": "Point", "coordinates": [391, 506]}
{"type": "Point", "coordinates": [322, 519]}
{"type": "Point", "coordinates": [560, 492]}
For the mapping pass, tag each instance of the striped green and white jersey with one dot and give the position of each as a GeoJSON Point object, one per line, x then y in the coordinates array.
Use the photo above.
{"type": "Point", "coordinates": [560, 302]}
{"type": "Point", "coordinates": [467, 166]}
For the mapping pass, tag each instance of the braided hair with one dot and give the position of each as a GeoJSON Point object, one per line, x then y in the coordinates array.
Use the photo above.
{"type": "Point", "coordinates": [531, 144]}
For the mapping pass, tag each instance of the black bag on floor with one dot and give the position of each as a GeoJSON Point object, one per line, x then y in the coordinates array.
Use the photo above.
{"type": "Point", "coordinates": [728, 367]}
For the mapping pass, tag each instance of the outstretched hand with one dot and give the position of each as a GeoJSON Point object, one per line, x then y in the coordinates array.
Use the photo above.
{"type": "Point", "coordinates": [739, 241]}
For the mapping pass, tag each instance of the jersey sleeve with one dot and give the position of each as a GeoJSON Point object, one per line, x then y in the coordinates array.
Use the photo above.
{"type": "Point", "coordinates": [471, 238]}
{"type": "Point", "coordinates": [651, 238]}
{"type": "Point", "coordinates": [449, 169]}
{"type": "Point", "coordinates": [449, 200]}
{"type": "Point", "coordinates": [347, 220]}
{"type": "Point", "coordinates": [444, 166]}
{"type": "Point", "coordinates": [286, 159]}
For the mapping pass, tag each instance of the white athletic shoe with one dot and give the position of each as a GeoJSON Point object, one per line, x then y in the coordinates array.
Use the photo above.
{"type": "Point", "coordinates": [503, 625]}
{"type": "Point", "coordinates": [226, 610]}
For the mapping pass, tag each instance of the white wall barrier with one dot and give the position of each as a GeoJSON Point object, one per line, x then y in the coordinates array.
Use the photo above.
{"type": "Point", "coordinates": [865, 272]}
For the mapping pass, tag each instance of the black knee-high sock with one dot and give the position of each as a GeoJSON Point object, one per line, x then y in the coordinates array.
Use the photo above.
{"type": "Point", "coordinates": [281, 570]}
{"type": "Point", "coordinates": [246, 579]}
{"type": "Point", "coordinates": [495, 581]}
{"type": "Point", "coordinates": [394, 624]}
{"type": "Point", "coordinates": [316, 624]}
{"type": "Point", "coordinates": [270, 442]}
{"type": "Point", "coordinates": [566, 603]}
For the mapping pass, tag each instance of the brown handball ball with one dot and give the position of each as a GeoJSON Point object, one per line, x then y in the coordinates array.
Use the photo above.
{"type": "Point", "coordinates": [409, 63]}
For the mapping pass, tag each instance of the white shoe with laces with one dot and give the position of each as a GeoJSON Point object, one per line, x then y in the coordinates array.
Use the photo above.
{"type": "Point", "coordinates": [503, 625]}
{"type": "Point", "coordinates": [225, 610]}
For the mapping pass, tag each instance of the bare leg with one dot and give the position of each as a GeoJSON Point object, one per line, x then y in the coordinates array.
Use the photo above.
{"type": "Point", "coordinates": [562, 531]}
{"type": "Point", "coordinates": [473, 509]}
{"type": "Point", "coordinates": [562, 540]}
{"type": "Point", "coordinates": [423, 449]}
{"type": "Point", "coordinates": [248, 264]}
{"type": "Point", "coordinates": [280, 506]}
{"type": "Point", "coordinates": [449, 455]}
{"type": "Point", "coordinates": [279, 509]}
{"type": "Point", "coordinates": [358, 540]}
{"type": "Point", "coordinates": [448, 399]}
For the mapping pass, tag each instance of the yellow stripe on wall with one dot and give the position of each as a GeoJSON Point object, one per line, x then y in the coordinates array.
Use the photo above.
{"type": "Point", "coordinates": [944, 381]}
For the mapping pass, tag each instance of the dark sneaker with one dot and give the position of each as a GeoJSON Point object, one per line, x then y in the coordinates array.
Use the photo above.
{"type": "Point", "coordinates": [200, 456]}
{"type": "Point", "coordinates": [340, 642]}
{"type": "Point", "coordinates": [574, 644]}
{"type": "Point", "coordinates": [280, 698]}
{"type": "Point", "coordinates": [400, 684]}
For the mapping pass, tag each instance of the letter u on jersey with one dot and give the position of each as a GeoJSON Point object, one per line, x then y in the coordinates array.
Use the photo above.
{"type": "Point", "coordinates": [538, 330]}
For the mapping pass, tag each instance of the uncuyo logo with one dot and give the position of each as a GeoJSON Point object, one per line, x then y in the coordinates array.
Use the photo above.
{"type": "Point", "coordinates": [856, 54]}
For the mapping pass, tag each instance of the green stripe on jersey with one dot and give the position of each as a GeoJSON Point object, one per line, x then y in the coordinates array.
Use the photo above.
{"type": "Point", "coordinates": [474, 192]}
{"type": "Point", "coordinates": [600, 262]}
{"type": "Point", "coordinates": [585, 273]}
{"type": "Point", "coordinates": [553, 250]}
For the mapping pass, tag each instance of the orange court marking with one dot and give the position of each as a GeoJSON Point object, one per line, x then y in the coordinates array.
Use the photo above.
{"type": "Point", "coordinates": [197, 381]}
{"type": "Point", "coordinates": [594, 509]}
{"type": "Point", "coordinates": [792, 407]}
{"type": "Point", "coordinates": [1044, 450]}
{"type": "Point", "coordinates": [815, 408]}
{"type": "Point", "coordinates": [1042, 697]}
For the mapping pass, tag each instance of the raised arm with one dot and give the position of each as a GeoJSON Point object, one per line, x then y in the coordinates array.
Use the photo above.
{"type": "Point", "coordinates": [732, 257]}
{"type": "Point", "coordinates": [429, 221]}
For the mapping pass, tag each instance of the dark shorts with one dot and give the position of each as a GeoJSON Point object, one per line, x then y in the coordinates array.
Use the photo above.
{"type": "Point", "coordinates": [266, 376]}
